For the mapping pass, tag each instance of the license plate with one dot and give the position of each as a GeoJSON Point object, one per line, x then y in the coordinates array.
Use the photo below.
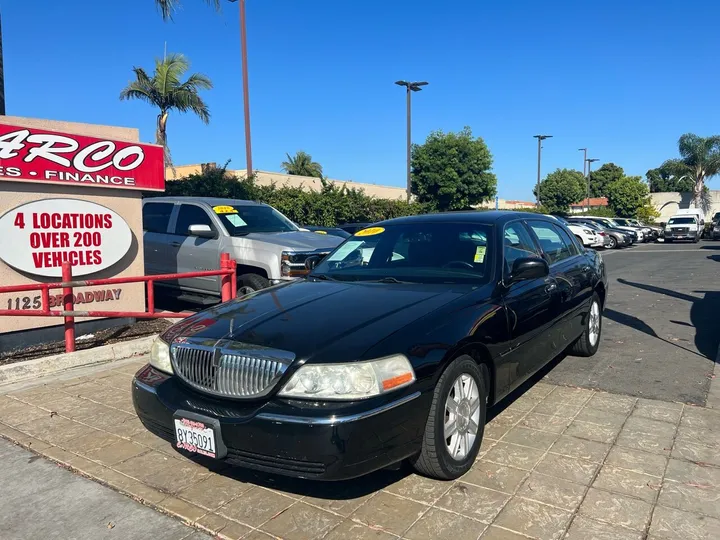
{"type": "Point", "coordinates": [195, 436]}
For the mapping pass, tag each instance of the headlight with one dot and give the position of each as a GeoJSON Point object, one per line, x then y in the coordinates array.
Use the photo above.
{"type": "Point", "coordinates": [160, 356]}
{"type": "Point", "coordinates": [356, 380]}
{"type": "Point", "coordinates": [588, 231]}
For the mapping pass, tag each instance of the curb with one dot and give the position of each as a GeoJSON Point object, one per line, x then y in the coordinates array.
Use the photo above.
{"type": "Point", "coordinates": [38, 367]}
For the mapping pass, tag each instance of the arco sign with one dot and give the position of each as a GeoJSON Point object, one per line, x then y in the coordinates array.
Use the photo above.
{"type": "Point", "coordinates": [35, 155]}
{"type": "Point", "coordinates": [37, 237]}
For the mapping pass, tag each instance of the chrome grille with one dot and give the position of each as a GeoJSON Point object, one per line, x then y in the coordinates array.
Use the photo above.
{"type": "Point", "coordinates": [229, 369]}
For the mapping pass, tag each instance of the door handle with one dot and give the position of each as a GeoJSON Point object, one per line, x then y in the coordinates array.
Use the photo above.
{"type": "Point", "coordinates": [175, 244]}
{"type": "Point", "coordinates": [550, 287]}
{"type": "Point", "coordinates": [586, 269]}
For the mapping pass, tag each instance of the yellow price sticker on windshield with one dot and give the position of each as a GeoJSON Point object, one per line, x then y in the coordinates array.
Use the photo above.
{"type": "Point", "coordinates": [480, 254]}
{"type": "Point", "coordinates": [372, 231]}
{"type": "Point", "coordinates": [224, 210]}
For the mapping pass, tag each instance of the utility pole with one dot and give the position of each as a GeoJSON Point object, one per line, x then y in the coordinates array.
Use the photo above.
{"type": "Point", "coordinates": [2, 75]}
{"type": "Point", "coordinates": [587, 200]}
{"type": "Point", "coordinates": [246, 86]}
{"type": "Point", "coordinates": [410, 87]}
{"type": "Point", "coordinates": [540, 139]}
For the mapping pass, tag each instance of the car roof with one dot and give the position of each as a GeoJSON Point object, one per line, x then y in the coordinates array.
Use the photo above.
{"type": "Point", "coordinates": [210, 201]}
{"type": "Point", "coordinates": [491, 217]}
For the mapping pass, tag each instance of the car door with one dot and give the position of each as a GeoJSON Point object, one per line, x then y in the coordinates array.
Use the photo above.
{"type": "Point", "coordinates": [156, 220]}
{"type": "Point", "coordinates": [530, 312]}
{"type": "Point", "coordinates": [193, 253]}
{"type": "Point", "coordinates": [571, 271]}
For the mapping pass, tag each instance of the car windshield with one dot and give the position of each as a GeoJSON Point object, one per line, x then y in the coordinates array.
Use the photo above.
{"type": "Point", "coordinates": [240, 220]}
{"type": "Point", "coordinates": [427, 252]}
{"type": "Point", "coordinates": [623, 222]}
{"type": "Point", "coordinates": [681, 221]}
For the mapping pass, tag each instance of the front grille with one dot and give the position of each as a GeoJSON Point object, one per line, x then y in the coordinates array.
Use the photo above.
{"type": "Point", "coordinates": [681, 230]}
{"type": "Point", "coordinates": [229, 369]}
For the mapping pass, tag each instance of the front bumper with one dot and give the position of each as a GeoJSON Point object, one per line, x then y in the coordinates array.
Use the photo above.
{"type": "Point", "coordinates": [323, 441]}
{"type": "Point", "coordinates": [689, 235]}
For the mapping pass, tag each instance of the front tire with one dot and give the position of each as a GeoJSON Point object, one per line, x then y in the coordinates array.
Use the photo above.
{"type": "Point", "coordinates": [589, 341]}
{"type": "Point", "coordinates": [248, 283]}
{"type": "Point", "coordinates": [456, 422]}
{"type": "Point", "coordinates": [613, 243]}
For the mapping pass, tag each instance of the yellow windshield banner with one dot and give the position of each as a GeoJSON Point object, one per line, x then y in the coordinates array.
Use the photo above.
{"type": "Point", "coordinates": [224, 210]}
{"type": "Point", "coordinates": [372, 231]}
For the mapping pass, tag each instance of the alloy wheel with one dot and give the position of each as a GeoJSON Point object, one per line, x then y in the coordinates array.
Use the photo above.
{"type": "Point", "coordinates": [594, 324]}
{"type": "Point", "coordinates": [462, 416]}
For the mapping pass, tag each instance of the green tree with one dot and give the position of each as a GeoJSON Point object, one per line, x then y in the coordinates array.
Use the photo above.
{"type": "Point", "coordinates": [627, 195]}
{"type": "Point", "coordinates": [301, 164]}
{"type": "Point", "coordinates": [168, 7]}
{"type": "Point", "coordinates": [451, 171]}
{"type": "Point", "coordinates": [165, 91]}
{"type": "Point", "coordinates": [647, 213]}
{"type": "Point", "coordinates": [699, 161]}
{"type": "Point", "coordinates": [664, 179]}
{"type": "Point", "coordinates": [603, 177]}
{"type": "Point", "coordinates": [560, 189]}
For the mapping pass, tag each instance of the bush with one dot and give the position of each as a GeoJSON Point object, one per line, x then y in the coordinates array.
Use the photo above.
{"type": "Point", "coordinates": [331, 206]}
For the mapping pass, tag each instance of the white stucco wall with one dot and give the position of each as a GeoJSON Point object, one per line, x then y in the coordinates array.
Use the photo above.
{"type": "Point", "coordinates": [669, 203]}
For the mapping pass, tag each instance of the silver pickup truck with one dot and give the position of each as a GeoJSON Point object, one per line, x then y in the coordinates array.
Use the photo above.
{"type": "Point", "coordinates": [188, 234]}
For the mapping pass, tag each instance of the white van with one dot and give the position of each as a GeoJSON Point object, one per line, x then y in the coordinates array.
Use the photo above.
{"type": "Point", "coordinates": [683, 227]}
{"type": "Point", "coordinates": [696, 212]}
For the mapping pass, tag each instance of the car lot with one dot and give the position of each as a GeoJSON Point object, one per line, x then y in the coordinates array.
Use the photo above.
{"type": "Point", "coordinates": [660, 335]}
{"type": "Point", "coordinates": [601, 461]}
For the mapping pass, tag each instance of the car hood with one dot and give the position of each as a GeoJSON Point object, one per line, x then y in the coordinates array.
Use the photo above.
{"type": "Point", "coordinates": [322, 321]}
{"type": "Point", "coordinates": [297, 240]}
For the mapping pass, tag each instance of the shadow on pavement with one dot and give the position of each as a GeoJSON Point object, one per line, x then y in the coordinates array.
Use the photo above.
{"type": "Point", "coordinates": [357, 487]}
{"type": "Point", "coordinates": [704, 313]}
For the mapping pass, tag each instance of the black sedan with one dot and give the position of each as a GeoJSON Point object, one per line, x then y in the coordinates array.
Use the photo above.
{"type": "Point", "coordinates": [391, 349]}
{"type": "Point", "coordinates": [332, 231]}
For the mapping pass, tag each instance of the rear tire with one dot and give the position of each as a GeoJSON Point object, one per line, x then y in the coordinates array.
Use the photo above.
{"type": "Point", "coordinates": [589, 341]}
{"type": "Point", "coordinates": [613, 243]}
{"type": "Point", "coordinates": [248, 283]}
{"type": "Point", "coordinates": [455, 385]}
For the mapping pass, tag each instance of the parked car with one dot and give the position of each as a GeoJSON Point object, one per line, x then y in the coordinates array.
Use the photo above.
{"type": "Point", "coordinates": [352, 228]}
{"type": "Point", "coordinates": [585, 235]}
{"type": "Point", "coordinates": [614, 238]}
{"type": "Point", "coordinates": [364, 364]}
{"type": "Point", "coordinates": [715, 229]}
{"type": "Point", "coordinates": [716, 218]}
{"type": "Point", "coordinates": [635, 232]}
{"type": "Point", "coordinates": [333, 231]}
{"type": "Point", "coordinates": [648, 233]}
{"type": "Point", "coordinates": [188, 234]}
{"type": "Point", "coordinates": [683, 227]}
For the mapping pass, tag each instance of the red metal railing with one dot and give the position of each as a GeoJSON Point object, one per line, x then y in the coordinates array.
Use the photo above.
{"type": "Point", "coordinates": [228, 291]}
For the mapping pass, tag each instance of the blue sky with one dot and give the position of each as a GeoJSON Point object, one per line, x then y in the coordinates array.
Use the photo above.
{"type": "Point", "coordinates": [625, 79]}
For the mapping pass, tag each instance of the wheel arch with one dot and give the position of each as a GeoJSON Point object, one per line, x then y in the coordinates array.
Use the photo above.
{"type": "Point", "coordinates": [478, 352]}
{"type": "Point", "coordinates": [601, 292]}
{"type": "Point", "coordinates": [243, 269]}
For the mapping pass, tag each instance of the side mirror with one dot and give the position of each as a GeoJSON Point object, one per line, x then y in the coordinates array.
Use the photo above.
{"type": "Point", "coordinates": [528, 268]}
{"type": "Point", "coordinates": [312, 261]}
{"type": "Point", "coordinates": [202, 231]}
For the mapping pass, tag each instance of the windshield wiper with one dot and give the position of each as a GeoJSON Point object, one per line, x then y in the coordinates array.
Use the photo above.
{"type": "Point", "coordinates": [390, 279]}
{"type": "Point", "coordinates": [323, 277]}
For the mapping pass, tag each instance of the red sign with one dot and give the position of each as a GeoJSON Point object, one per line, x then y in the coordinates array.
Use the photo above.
{"type": "Point", "coordinates": [50, 157]}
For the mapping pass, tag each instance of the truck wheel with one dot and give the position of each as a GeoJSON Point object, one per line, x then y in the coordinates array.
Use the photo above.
{"type": "Point", "coordinates": [248, 283]}
{"type": "Point", "coordinates": [456, 422]}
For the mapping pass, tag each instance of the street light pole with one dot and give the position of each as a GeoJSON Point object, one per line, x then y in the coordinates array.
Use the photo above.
{"type": "Point", "coordinates": [587, 200]}
{"type": "Point", "coordinates": [584, 160]}
{"type": "Point", "coordinates": [540, 139]}
{"type": "Point", "coordinates": [246, 86]}
{"type": "Point", "coordinates": [2, 76]}
{"type": "Point", "coordinates": [410, 87]}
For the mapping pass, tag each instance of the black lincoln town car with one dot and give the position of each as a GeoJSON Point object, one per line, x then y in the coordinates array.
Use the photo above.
{"type": "Point", "coordinates": [392, 348]}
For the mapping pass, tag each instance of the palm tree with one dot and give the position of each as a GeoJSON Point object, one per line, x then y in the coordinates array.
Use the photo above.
{"type": "Point", "coordinates": [165, 91]}
{"type": "Point", "coordinates": [699, 161]}
{"type": "Point", "coordinates": [301, 164]}
{"type": "Point", "coordinates": [168, 7]}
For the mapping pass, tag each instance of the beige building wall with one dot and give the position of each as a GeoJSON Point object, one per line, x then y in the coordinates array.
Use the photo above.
{"type": "Point", "coordinates": [668, 203]}
{"type": "Point", "coordinates": [127, 203]}
{"type": "Point", "coordinates": [309, 183]}
{"type": "Point", "coordinates": [505, 204]}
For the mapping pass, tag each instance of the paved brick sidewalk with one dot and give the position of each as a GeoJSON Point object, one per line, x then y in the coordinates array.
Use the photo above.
{"type": "Point", "coordinates": [558, 463]}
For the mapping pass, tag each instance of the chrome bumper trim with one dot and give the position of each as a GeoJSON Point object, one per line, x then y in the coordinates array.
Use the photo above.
{"type": "Point", "coordinates": [333, 420]}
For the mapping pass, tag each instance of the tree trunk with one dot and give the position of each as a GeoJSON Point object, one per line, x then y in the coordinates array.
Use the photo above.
{"type": "Point", "coordinates": [161, 139]}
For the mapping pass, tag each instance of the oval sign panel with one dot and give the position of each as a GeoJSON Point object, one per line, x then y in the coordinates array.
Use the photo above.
{"type": "Point", "coordinates": [37, 237]}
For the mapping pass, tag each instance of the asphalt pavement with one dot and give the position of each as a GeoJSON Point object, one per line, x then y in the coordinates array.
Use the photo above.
{"type": "Point", "coordinates": [661, 326]}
